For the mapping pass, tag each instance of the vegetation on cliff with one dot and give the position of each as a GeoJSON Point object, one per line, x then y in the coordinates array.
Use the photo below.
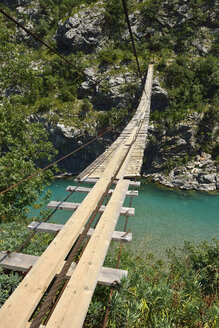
{"type": "Point", "coordinates": [180, 37]}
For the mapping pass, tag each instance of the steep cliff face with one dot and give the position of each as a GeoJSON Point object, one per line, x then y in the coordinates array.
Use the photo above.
{"type": "Point", "coordinates": [172, 159]}
{"type": "Point", "coordinates": [181, 36]}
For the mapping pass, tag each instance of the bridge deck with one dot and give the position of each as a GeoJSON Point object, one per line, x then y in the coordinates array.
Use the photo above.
{"type": "Point", "coordinates": [135, 163]}
{"type": "Point", "coordinates": [124, 160]}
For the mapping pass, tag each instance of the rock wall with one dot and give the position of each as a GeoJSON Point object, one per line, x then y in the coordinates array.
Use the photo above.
{"type": "Point", "coordinates": [168, 147]}
{"type": "Point", "coordinates": [171, 158]}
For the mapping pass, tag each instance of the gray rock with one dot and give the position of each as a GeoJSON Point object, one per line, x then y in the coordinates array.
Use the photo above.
{"type": "Point", "coordinates": [82, 33]}
{"type": "Point", "coordinates": [181, 142]}
{"type": "Point", "coordinates": [203, 46]}
{"type": "Point", "coordinates": [209, 178]}
{"type": "Point", "coordinates": [108, 93]}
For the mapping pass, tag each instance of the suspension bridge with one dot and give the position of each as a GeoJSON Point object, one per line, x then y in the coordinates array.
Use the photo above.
{"type": "Point", "coordinates": [112, 174]}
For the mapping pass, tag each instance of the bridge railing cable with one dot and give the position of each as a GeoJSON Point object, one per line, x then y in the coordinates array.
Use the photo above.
{"type": "Point", "coordinates": [132, 38]}
{"type": "Point", "coordinates": [46, 306]}
{"type": "Point", "coordinates": [12, 19]}
{"type": "Point", "coordinates": [92, 170]}
{"type": "Point", "coordinates": [55, 162]}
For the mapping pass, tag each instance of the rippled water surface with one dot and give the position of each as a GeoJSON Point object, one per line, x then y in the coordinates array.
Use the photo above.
{"type": "Point", "coordinates": [163, 218]}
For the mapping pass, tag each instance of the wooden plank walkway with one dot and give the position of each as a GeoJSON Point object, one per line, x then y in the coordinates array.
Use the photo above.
{"type": "Point", "coordinates": [23, 262]}
{"type": "Point", "coordinates": [86, 190]}
{"type": "Point", "coordinates": [73, 305]}
{"type": "Point", "coordinates": [69, 206]}
{"type": "Point", "coordinates": [94, 180]}
{"type": "Point", "coordinates": [124, 160]}
{"type": "Point", "coordinates": [135, 163]}
{"type": "Point", "coordinates": [54, 228]}
{"type": "Point", "coordinates": [36, 282]}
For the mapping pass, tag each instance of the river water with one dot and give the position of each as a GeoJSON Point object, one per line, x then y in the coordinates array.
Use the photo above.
{"type": "Point", "coordinates": [163, 219]}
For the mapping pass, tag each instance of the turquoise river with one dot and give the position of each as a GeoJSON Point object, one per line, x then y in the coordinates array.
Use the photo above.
{"type": "Point", "coordinates": [163, 219]}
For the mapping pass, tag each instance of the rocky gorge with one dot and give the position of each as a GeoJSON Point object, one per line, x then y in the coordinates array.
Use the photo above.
{"type": "Point", "coordinates": [176, 154]}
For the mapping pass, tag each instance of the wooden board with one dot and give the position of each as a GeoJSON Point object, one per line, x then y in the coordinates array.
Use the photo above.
{"type": "Point", "coordinates": [120, 236]}
{"type": "Point", "coordinates": [17, 261]}
{"type": "Point", "coordinates": [86, 190]}
{"type": "Point", "coordinates": [140, 118]}
{"type": "Point", "coordinates": [29, 292]}
{"type": "Point", "coordinates": [23, 262]}
{"type": "Point", "coordinates": [73, 304]}
{"type": "Point", "coordinates": [93, 180]}
{"type": "Point", "coordinates": [34, 285]}
{"type": "Point", "coordinates": [69, 206]}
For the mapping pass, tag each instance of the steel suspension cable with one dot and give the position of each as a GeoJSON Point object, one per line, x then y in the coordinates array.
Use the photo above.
{"type": "Point", "coordinates": [52, 293]}
{"type": "Point", "coordinates": [55, 162]}
{"type": "Point", "coordinates": [31, 235]}
{"type": "Point", "coordinates": [132, 38]}
{"type": "Point", "coordinates": [12, 19]}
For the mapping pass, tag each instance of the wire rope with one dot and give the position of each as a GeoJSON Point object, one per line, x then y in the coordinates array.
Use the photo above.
{"type": "Point", "coordinates": [55, 162]}
{"type": "Point", "coordinates": [52, 292]}
{"type": "Point", "coordinates": [132, 38]}
{"type": "Point", "coordinates": [12, 19]}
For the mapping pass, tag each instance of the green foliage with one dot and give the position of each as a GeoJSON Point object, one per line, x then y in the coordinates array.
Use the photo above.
{"type": "Point", "coordinates": [184, 294]}
{"type": "Point", "coordinates": [24, 147]}
{"type": "Point", "coordinates": [202, 263]}
{"type": "Point", "coordinates": [207, 131]}
{"type": "Point", "coordinates": [12, 235]}
{"type": "Point", "coordinates": [86, 108]}
{"type": "Point", "coordinates": [8, 282]}
{"type": "Point", "coordinates": [113, 55]}
{"type": "Point", "coordinates": [149, 9]}
{"type": "Point", "coordinates": [191, 84]}
{"type": "Point", "coordinates": [114, 18]}
{"type": "Point", "coordinates": [115, 118]}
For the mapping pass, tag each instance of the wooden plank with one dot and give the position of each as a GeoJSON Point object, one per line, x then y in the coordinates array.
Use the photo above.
{"type": "Point", "coordinates": [69, 206]}
{"type": "Point", "coordinates": [140, 118]}
{"type": "Point", "coordinates": [86, 190]}
{"type": "Point", "coordinates": [73, 304]}
{"type": "Point", "coordinates": [23, 262]}
{"type": "Point", "coordinates": [108, 276]}
{"type": "Point", "coordinates": [93, 180]}
{"type": "Point", "coordinates": [29, 292]}
{"type": "Point", "coordinates": [17, 261]}
{"type": "Point", "coordinates": [54, 228]}
{"type": "Point", "coordinates": [45, 227]}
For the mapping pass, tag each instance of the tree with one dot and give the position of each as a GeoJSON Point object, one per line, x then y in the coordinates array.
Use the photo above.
{"type": "Point", "coordinates": [24, 147]}
{"type": "Point", "coordinates": [114, 18]}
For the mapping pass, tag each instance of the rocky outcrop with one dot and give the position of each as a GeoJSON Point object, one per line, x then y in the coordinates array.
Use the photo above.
{"type": "Point", "coordinates": [82, 32]}
{"type": "Point", "coordinates": [170, 157]}
{"type": "Point", "coordinates": [106, 90]}
{"type": "Point", "coordinates": [175, 13]}
{"type": "Point", "coordinates": [68, 138]}
{"type": "Point", "coordinates": [199, 174]}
